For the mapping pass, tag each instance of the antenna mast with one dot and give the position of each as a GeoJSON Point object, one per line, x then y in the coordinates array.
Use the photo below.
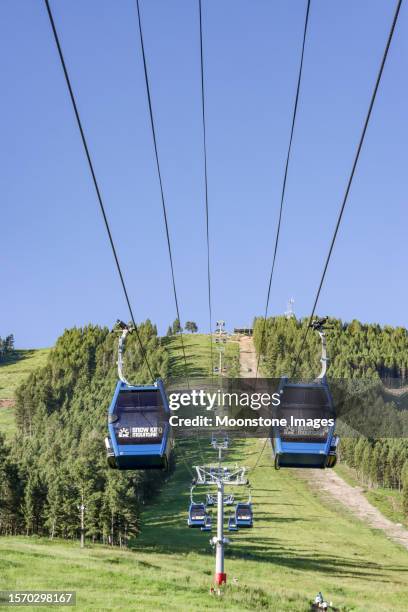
{"type": "Point", "coordinates": [289, 312]}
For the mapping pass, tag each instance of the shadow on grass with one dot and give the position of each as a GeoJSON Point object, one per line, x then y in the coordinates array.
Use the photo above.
{"type": "Point", "coordinates": [165, 531]}
{"type": "Point", "coordinates": [190, 366]}
{"type": "Point", "coordinates": [272, 552]}
{"type": "Point", "coordinates": [17, 355]}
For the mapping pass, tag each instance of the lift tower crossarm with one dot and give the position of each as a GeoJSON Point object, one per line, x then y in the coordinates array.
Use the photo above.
{"type": "Point", "coordinates": [207, 475]}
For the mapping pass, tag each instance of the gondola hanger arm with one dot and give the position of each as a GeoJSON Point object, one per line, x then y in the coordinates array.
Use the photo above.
{"type": "Point", "coordinates": [124, 330]}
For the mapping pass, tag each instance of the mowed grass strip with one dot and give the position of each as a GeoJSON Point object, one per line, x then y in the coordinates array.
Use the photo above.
{"type": "Point", "coordinates": [16, 369]}
{"type": "Point", "coordinates": [7, 422]}
{"type": "Point", "coordinates": [12, 373]}
{"type": "Point", "coordinates": [197, 348]}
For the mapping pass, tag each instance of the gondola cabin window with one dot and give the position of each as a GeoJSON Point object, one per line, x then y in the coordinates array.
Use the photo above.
{"type": "Point", "coordinates": [243, 515]}
{"type": "Point", "coordinates": [306, 410]}
{"type": "Point", "coordinates": [139, 417]}
{"type": "Point", "coordinates": [198, 514]}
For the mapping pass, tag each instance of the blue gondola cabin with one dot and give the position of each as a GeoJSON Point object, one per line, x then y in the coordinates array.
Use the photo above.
{"type": "Point", "coordinates": [197, 515]}
{"type": "Point", "coordinates": [303, 445]}
{"type": "Point", "coordinates": [243, 515]}
{"type": "Point", "coordinates": [140, 436]}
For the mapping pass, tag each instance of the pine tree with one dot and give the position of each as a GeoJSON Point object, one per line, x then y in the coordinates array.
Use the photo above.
{"type": "Point", "coordinates": [375, 467]}
{"type": "Point", "coordinates": [366, 463]}
{"type": "Point", "coordinates": [358, 456]}
{"type": "Point", "coordinates": [176, 327]}
{"type": "Point", "coordinates": [191, 327]}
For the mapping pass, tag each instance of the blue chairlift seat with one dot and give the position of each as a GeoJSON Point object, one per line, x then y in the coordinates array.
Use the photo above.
{"type": "Point", "coordinates": [197, 515]}
{"type": "Point", "coordinates": [232, 526]}
{"type": "Point", "coordinates": [244, 515]}
{"type": "Point", "coordinates": [305, 446]}
{"type": "Point", "coordinates": [140, 436]}
{"type": "Point", "coordinates": [207, 524]}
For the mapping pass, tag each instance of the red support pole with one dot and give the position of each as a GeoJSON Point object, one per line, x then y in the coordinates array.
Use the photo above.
{"type": "Point", "coordinates": [220, 578]}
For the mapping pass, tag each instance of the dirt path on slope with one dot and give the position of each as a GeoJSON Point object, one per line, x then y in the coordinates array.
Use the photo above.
{"type": "Point", "coordinates": [247, 358]}
{"type": "Point", "coordinates": [327, 481]}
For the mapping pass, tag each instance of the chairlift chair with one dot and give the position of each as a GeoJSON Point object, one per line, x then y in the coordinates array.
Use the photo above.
{"type": "Point", "coordinates": [207, 524]}
{"type": "Point", "coordinates": [232, 525]}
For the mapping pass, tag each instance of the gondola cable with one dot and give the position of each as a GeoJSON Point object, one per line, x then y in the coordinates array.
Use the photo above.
{"type": "Point", "coordinates": [379, 75]}
{"type": "Point", "coordinates": [345, 198]}
{"type": "Point", "coordinates": [282, 200]}
{"type": "Point", "coordinates": [96, 185]}
{"type": "Point", "coordinates": [164, 209]}
{"type": "Point", "coordinates": [206, 182]}
{"type": "Point", "coordinates": [285, 176]}
{"type": "Point", "coordinates": [102, 208]}
{"type": "Point", "coordinates": [153, 129]}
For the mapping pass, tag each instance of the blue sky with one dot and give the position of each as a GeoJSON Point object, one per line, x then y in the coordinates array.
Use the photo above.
{"type": "Point", "coordinates": [57, 270]}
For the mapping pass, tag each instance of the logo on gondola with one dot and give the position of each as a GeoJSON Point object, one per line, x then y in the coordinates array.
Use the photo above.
{"type": "Point", "coordinates": [124, 432]}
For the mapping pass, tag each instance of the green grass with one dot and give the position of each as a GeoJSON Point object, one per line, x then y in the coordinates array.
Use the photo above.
{"type": "Point", "coordinates": [13, 372]}
{"type": "Point", "coordinates": [388, 501]}
{"type": "Point", "coordinates": [232, 359]}
{"type": "Point", "coordinates": [197, 348]}
{"type": "Point", "coordinates": [300, 544]}
{"type": "Point", "coordinates": [7, 423]}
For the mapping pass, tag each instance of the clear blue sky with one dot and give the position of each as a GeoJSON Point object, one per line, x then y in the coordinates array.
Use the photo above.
{"type": "Point", "coordinates": [56, 267]}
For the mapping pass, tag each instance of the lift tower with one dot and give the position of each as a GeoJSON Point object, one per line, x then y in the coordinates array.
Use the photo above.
{"type": "Point", "coordinates": [220, 476]}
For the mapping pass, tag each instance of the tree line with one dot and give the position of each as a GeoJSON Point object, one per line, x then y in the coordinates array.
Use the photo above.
{"type": "Point", "coordinates": [379, 463]}
{"type": "Point", "coordinates": [176, 327]}
{"type": "Point", "coordinates": [6, 347]}
{"type": "Point", "coordinates": [56, 461]}
{"type": "Point", "coordinates": [363, 352]}
{"type": "Point", "coordinates": [356, 350]}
